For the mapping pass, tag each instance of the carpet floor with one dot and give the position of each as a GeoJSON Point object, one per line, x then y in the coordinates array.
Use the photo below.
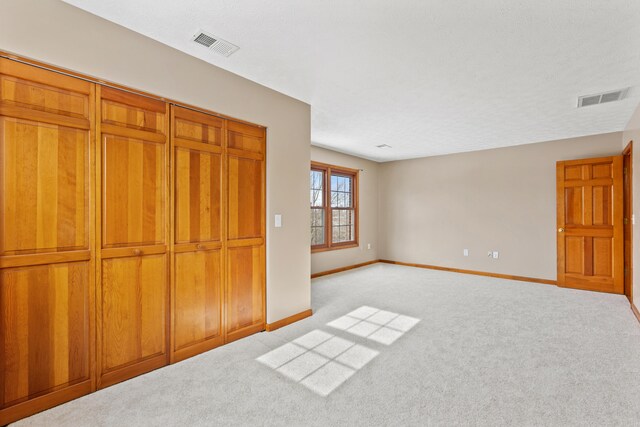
{"type": "Point", "coordinates": [394, 345]}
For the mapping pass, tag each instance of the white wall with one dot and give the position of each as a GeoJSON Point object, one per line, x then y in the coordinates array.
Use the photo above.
{"type": "Point", "coordinates": [62, 35]}
{"type": "Point", "coordinates": [632, 133]}
{"type": "Point", "coordinates": [502, 200]}
{"type": "Point", "coordinates": [368, 210]}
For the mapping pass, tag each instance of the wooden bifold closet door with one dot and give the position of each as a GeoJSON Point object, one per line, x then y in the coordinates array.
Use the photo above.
{"type": "Point", "coordinates": [245, 294]}
{"type": "Point", "coordinates": [198, 233]}
{"type": "Point", "coordinates": [46, 239]}
{"type": "Point", "coordinates": [132, 251]}
{"type": "Point", "coordinates": [132, 235]}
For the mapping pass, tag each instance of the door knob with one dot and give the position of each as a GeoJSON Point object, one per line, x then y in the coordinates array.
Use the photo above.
{"type": "Point", "coordinates": [560, 230]}
{"type": "Point", "coordinates": [137, 252]}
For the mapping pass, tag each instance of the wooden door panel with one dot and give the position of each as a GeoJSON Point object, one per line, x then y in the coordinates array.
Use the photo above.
{"type": "Point", "coordinates": [601, 211]}
{"type": "Point", "coordinates": [131, 117]}
{"type": "Point", "coordinates": [574, 213]}
{"type": "Point", "coordinates": [245, 295]}
{"type": "Point", "coordinates": [44, 313]}
{"type": "Point", "coordinates": [198, 298]}
{"type": "Point", "coordinates": [245, 289]}
{"type": "Point", "coordinates": [198, 127]}
{"type": "Point", "coordinates": [134, 192]}
{"type": "Point", "coordinates": [130, 111]}
{"type": "Point", "coordinates": [133, 310]}
{"type": "Point", "coordinates": [590, 240]}
{"type": "Point", "coordinates": [245, 198]}
{"type": "Point", "coordinates": [602, 256]}
{"type": "Point", "coordinates": [602, 170]}
{"type": "Point", "coordinates": [198, 236]}
{"type": "Point", "coordinates": [198, 185]}
{"type": "Point", "coordinates": [133, 292]}
{"type": "Point", "coordinates": [246, 142]}
{"type": "Point", "coordinates": [575, 255]}
{"type": "Point", "coordinates": [45, 185]}
{"type": "Point", "coordinates": [46, 239]}
{"type": "Point", "coordinates": [43, 97]}
{"type": "Point", "coordinates": [574, 172]}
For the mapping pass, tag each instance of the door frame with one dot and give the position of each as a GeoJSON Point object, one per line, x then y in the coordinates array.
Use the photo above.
{"type": "Point", "coordinates": [627, 154]}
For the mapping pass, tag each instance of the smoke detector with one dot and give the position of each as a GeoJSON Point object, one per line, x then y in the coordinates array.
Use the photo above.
{"type": "Point", "coordinates": [601, 98]}
{"type": "Point", "coordinates": [214, 43]}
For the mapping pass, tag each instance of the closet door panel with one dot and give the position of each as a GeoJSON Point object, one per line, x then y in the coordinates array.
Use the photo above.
{"type": "Point", "coordinates": [46, 243]}
{"type": "Point", "coordinates": [198, 253]}
{"type": "Point", "coordinates": [134, 192]}
{"type": "Point", "coordinates": [196, 126]}
{"type": "Point", "coordinates": [134, 301]}
{"type": "Point", "coordinates": [245, 295]}
{"type": "Point", "coordinates": [125, 110]}
{"type": "Point", "coordinates": [44, 187]}
{"type": "Point", "coordinates": [198, 297]}
{"type": "Point", "coordinates": [44, 313]}
{"type": "Point", "coordinates": [197, 196]}
{"type": "Point", "coordinates": [133, 292]}
{"type": "Point", "coordinates": [245, 198]}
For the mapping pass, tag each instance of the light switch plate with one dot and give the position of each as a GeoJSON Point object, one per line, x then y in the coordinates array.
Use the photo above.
{"type": "Point", "coordinates": [465, 252]}
{"type": "Point", "coordinates": [278, 221]}
{"type": "Point", "coordinates": [496, 254]}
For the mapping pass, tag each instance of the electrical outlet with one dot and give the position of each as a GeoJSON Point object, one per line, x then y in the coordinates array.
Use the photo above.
{"type": "Point", "coordinates": [465, 252]}
{"type": "Point", "coordinates": [495, 254]}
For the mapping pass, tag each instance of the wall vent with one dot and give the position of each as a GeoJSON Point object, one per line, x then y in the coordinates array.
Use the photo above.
{"type": "Point", "coordinates": [383, 146]}
{"type": "Point", "coordinates": [216, 44]}
{"type": "Point", "coordinates": [601, 98]}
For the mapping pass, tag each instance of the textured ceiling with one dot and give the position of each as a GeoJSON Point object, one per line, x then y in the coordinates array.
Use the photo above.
{"type": "Point", "coordinates": [425, 77]}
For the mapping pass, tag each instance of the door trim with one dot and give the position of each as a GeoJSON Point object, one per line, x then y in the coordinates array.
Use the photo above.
{"type": "Point", "coordinates": [628, 214]}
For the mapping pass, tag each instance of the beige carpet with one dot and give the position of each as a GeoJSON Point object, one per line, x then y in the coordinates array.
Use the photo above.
{"type": "Point", "coordinates": [392, 345]}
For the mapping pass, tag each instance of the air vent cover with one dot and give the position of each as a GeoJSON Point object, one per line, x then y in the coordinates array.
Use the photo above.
{"type": "Point", "coordinates": [216, 44]}
{"type": "Point", "coordinates": [383, 146]}
{"type": "Point", "coordinates": [601, 98]}
{"type": "Point", "coordinates": [204, 39]}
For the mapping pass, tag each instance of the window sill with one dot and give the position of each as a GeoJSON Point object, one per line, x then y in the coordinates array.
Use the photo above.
{"type": "Point", "coordinates": [335, 248]}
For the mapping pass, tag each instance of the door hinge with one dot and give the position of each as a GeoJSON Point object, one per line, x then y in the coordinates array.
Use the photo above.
{"type": "Point", "coordinates": [624, 171]}
{"type": "Point", "coordinates": [626, 271]}
{"type": "Point", "coordinates": [626, 221]}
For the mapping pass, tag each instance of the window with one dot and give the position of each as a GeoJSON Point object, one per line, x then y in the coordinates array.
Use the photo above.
{"type": "Point", "coordinates": [334, 207]}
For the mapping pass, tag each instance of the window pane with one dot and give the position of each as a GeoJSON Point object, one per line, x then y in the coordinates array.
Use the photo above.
{"type": "Point", "coordinates": [343, 226]}
{"type": "Point", "coordinates": [317, 227]}
{"type": "Point", "coordinates": [341, 191]}
{"type": "Point", "coordinates": [317, 185]}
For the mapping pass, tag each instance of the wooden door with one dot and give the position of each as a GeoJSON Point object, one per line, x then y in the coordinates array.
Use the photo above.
{"type": "Point", "coordinates": [589, 221]}
{"type": "Point", "coordinates": [198, 232]}
{"type": "Point", "coordinates": [46, 239]}
{"type": "Point", "coordinates": [133, 216]}
{"type": "Point", "coordinates": [245, 293]}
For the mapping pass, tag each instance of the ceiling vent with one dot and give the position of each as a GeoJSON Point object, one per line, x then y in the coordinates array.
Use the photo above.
{"type": "Point", "coordinates": [601, 98]}
{"type": "Point", "coordinates": [383, 146]}
{"type": "Point", "coordinates": [216, 44]}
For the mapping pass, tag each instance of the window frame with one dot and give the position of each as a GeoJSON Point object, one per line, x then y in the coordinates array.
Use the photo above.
{"type": "Point", "coordinates": [327, 171]}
